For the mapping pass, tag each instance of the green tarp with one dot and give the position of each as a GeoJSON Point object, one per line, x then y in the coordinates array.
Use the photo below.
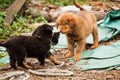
{"type": "Point", "coordinates": [102, 57]}
{"type": "Point", "coordinates": [4, 58]}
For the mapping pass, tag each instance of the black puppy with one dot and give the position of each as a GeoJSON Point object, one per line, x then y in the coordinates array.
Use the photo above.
{"type": "Point", "coordinates": [55, 39]}
{"type": "Point", "coordinates": [36, 46]}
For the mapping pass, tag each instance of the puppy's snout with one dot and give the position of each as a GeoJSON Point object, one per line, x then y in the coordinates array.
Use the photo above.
{"type": "Point", "coordinates": [59, 29]}
{"type": "Point", "coordinates": [62, 30]}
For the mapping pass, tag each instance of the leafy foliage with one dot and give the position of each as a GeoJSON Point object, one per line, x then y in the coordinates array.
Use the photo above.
{"type": "Point", "coordinates": [5, 3]}
{"type": "Point", "coordinates": [67, 2]}
{"type": "Point", "coordinates": [32, 19]}
{"type": "Point", "coordinates": [19, 25]}
{"type": "Point", "coordinates": [62, 2]}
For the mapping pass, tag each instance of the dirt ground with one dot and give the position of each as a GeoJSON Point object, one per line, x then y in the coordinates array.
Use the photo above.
{"type": "Point", "coordinates": [78, 73]}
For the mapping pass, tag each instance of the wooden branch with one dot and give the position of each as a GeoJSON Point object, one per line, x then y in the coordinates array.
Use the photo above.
{"type": "Point", "coordinates": [77, 5]}
{"type": "Point", "coordinates": [13, 9]}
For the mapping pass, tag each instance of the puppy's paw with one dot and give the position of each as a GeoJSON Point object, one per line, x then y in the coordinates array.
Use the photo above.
{"type": "Point", "coordinates": [57, 63]}
{"type": "Point", "coordinates": [54, 60]}
{"type": "Point", "coordinates": [19, 68]}
{"type": "Point", "coordinates": [27, 66]}
{"type": "Point", "coordinates": [77, 57]}
{"type": "Point", "coordinates": [68, 55]}
{"type": "Point", "coordinates": [94, 46]}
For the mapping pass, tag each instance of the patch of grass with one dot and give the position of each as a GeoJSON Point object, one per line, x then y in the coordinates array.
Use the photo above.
{"type": "Point", "coordinates": [19, 25]}
{"type": "Point", "coordinates": [63, 2]}
{"type": "Point", "coordinates": [5, 3]}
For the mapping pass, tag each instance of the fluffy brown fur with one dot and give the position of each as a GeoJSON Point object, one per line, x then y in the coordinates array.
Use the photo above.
{"type": "Point", "coordinates": [77, 27]}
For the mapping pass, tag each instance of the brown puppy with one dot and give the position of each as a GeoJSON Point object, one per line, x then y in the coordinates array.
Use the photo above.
{"type": "Point", "coordinates": [77, 27]}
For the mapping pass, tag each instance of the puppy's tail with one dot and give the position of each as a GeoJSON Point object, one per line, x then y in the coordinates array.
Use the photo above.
{"type": "Point", "coordinates": [78, 6]}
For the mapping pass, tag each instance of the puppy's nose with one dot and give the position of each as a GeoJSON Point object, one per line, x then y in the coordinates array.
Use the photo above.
{"type": "Point", "coordinates": [60, 31]}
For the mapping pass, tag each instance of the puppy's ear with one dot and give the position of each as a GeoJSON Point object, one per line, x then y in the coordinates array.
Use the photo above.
{"type": "Point", "coordinates": [49, 29]}
{"type": "Point", "coordinates": [72, 23]}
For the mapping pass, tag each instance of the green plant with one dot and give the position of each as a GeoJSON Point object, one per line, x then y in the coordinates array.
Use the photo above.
{"type": "Point", "coordinates": [40, 19]}
{"type": "Point", "coordinates": [5, 3]}
{"type": "Point", "coordinates": [19, 25]}
{"type": "Point", "coordinates": [33, 19]}
{"type": "Point", "coordinates": [63, 2]}
{"type": "Point", "coordinates": [2, 16]}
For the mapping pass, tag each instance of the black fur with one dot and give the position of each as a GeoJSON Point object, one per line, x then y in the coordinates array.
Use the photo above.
{"type": "Point", "coordinates": [55, 38]}
{"type": "Point", "coordinates": [37, 46]}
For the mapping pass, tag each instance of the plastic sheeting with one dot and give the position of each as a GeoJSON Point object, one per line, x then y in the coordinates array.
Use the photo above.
{"type": "Point", "coordinates": [104, 57]}
{"type": "Point", "coordinates": [4, 58]}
